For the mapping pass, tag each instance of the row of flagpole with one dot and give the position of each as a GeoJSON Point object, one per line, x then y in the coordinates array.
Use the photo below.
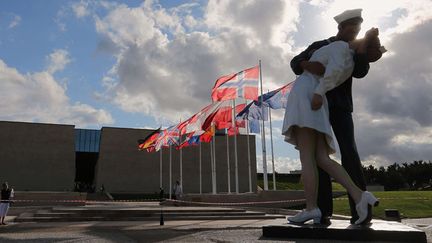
{"type": "Point", "coordinates": [213, 167]}
{"type": "Point", "coordinates": [233, 128]}
{"type": "Point", "coordinates": [213, 164]}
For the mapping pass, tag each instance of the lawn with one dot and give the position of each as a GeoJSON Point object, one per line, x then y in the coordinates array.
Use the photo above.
{"type": "Point", "coordinates": [411, 204]}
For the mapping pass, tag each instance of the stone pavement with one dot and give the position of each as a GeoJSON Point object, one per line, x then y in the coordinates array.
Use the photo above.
{"type": "Point", "coordinates": [172, 231]}
{"type": "Point", "coordinates": [424, 224]}
{"type": "Point", "coordinates": [247, 230]}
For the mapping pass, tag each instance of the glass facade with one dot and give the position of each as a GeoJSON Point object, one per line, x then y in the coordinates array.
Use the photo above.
{"type": "Point", "coordinates": [87, 140]}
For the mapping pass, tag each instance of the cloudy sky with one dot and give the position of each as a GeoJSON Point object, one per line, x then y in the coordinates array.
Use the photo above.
{"type": "Point", "coordinates": [151, 63]}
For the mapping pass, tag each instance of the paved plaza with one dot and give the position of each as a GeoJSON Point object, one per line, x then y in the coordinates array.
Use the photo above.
{"type": "Point", "coordinates": [247, 230]}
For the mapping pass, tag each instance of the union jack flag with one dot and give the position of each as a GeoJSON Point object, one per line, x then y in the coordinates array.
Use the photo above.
{"type": "Point", "coordinates": [168, 137]}
{"type": "Point", "coordinates": [243, 84]}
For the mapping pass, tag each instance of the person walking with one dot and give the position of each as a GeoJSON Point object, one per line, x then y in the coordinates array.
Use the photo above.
{"type": "Point", "coordinates": [178, 190]}
{"type": "Point", "coordinates": [7, 195]}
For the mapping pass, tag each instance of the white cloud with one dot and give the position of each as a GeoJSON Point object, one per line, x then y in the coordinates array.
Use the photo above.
{"type": "Point", "coordinates": [57, 60]}
{"type": "Point", "coordinates": [15, 21]}
{"type": "Point", "coordinates": [281, 164]}
{"type": "Point", "coordinates": [126, 27]}
{"type": "Point", "coordinates": [38, 97]}
{"type": "Point", "coordinates": [168, 60]}
{"type": "Point", "coordinates": [59, 19]}
{"type": "Point", "coordinates": [166, 68]}
{"type": "Point", "coordinates": [81, 9]}
{"type": "Point", "coordinates": [391, 16]}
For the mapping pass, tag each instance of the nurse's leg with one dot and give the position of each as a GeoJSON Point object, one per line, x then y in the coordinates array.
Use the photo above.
{"type": "Point", "coordinates": [306, 143]}
{"type": "Point", "coordinates": [334, 169]}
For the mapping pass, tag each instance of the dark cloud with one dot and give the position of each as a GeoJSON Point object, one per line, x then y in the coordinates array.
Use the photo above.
{"type": "Point", "coordinates": [393, 103]}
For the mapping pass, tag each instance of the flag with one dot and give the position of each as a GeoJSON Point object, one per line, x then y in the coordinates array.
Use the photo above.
{"type": "Point", "coordinates": [169, 136]}
{"type": "Point", "coordinates": [233, 131]}
{"type": "Point", "coordinates": [208, 135]}
{"type": "Point", "coordinates": [191, 139]}
{"type": "Point", "coordinates": [195, 122]}
{"type": "Point", "coordinates": [275, 99]}
{"type": "Point", "coordinates": [243, 84]}
{"type": "Point", "coordinates": [253, 111]}
{"type": "Point", "coordinates": [149, 141]}
{"type": "Point", "coordinates": [222, 117]}
{"type": "Point", "coordinates": [278, 98]}
{"type": "Point", "coordinates": [254, 126]}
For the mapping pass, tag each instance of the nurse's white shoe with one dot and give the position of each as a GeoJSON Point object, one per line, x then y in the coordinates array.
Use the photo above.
{"type": "Point", "coordinates": [367, 198]}
{"type": "Point", "coordinates": [305, 215]}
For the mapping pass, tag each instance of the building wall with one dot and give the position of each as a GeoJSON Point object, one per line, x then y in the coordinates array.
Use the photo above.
{"type": "Point", "coordinates": [41, 157]}
{"type": "Point", "coordinates": [122, 168]}
{"type": "Point", "coordinates": [37, 157]}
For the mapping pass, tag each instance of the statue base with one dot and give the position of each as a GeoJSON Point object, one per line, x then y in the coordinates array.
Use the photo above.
{"type": "Point", "coordinates": [377, 230]}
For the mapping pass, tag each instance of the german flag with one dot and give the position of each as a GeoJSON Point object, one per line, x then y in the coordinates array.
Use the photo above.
{"type": "Point", "coordinates": [149, 141]}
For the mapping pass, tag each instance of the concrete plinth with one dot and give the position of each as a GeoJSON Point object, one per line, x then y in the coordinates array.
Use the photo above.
{"type": "Point", "coordinates": [379, 230]}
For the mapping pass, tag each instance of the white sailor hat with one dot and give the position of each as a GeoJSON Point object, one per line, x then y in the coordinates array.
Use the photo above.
{"type": "Point", "coordinates": [348, 14]}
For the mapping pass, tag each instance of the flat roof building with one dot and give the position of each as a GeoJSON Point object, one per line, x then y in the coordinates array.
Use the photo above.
{"type": "Point", "coordinates": [53, 157]}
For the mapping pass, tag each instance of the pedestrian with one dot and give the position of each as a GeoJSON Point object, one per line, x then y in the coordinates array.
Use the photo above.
{"type": "Point", "coordinates": [7, 194]}
{"type": "Point", "coordinates": [178, 191]}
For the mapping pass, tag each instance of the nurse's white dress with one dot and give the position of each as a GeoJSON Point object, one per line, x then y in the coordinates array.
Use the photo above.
{"type": "Point", "coordinates": [337, 57]}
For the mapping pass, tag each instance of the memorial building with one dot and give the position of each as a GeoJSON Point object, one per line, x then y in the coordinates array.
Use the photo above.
{"type": "Point", "coordinates": [54, 157]}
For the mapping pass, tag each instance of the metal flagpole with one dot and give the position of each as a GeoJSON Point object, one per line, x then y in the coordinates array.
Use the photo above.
{"type": "Point", "coordinates": [200, 175]}
{"type": "Point", "coordinates": [263, 142]}
{"type": "Point", "coordinates": [160, 169]}
{"type": "Point", "coordinates": [181, 160]}
{"type": "Point", "coordinates": [170, 171]}
{"type": "Point", "coordinates": [211, 164]}
{"type": "Point", "coordinates": [235, 149]}
{"type": "Point", "coordinates": [228, 163]}
{"type": "Point", "coordinates": [214, 161]}
{"type": "Point", "coordinates": [271, 142]}
{"type": "Point", "coordinates": [248, 152]}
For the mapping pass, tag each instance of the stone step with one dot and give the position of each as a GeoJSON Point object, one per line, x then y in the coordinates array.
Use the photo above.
{"type": "Point", "coordinates": [151, 218]}
{"type": "Point", "coordinates": [131, 211]}
{"type": "Point", "coordinates": [142, 214]}
{"type": "Point", "coordinates": [41, 198]}
{"type": "Point", "coordinates": [342, 230]}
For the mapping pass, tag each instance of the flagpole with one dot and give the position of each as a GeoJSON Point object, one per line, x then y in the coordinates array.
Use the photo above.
{"type": "Point", "coordinates": [264, 155]}
{"type": "Point", "coordinates": [160, 169]}
{"type": "Point", "coordinates": [235, 149]}
{"type": "Point", "coordinates": [214, 161]}
{"type": "Point", "coordinates": [228, 163]}
{"type": "Point", "coordinates": [271, 142]}
{"type": "Point", "coordinates": [170, 171]}
{"type": "Point", "coordinates": [181, 160]}
{"type": "Point", "coordinates": [200, 175]}
{"type": "Point", "coordinates": [248, 152]}
{"type": "Point", "coordinates": [211, 164]}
